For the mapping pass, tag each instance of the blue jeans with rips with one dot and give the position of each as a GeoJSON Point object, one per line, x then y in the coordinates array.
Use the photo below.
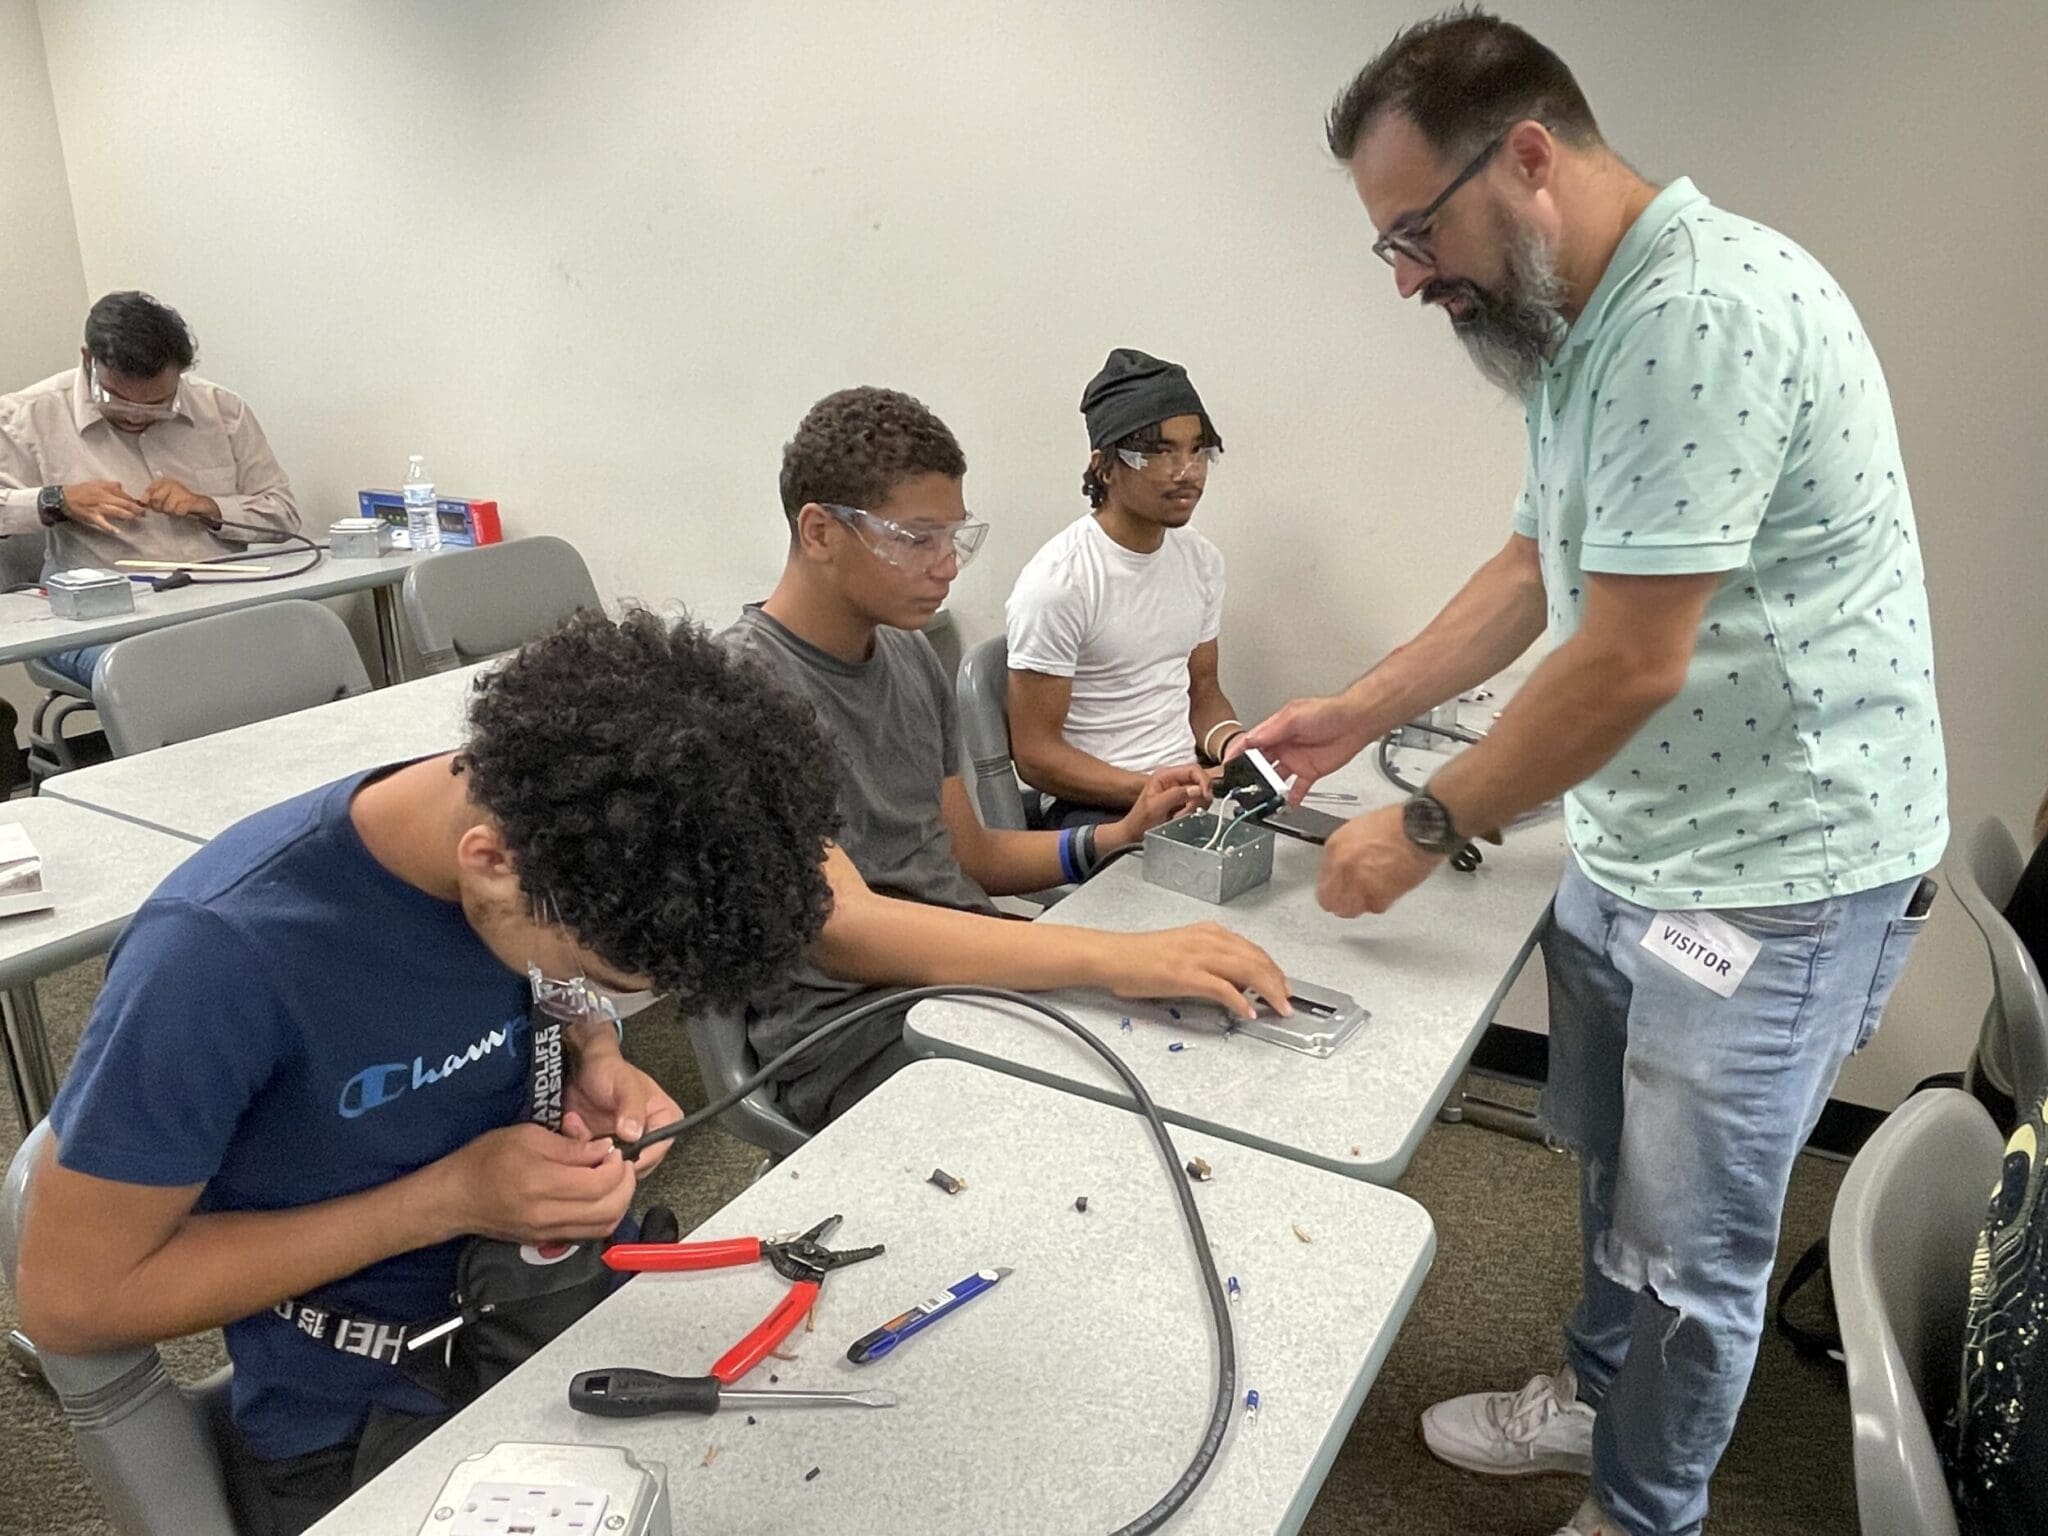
{"type": "Point", "coordinates": [1686, 1110]}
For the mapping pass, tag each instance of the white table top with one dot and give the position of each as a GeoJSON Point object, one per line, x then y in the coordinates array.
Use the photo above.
{"type": "Point", "coordinates": [99, 869]}
{"type": "Point", "coordinates": [198, 789]}
{"type": "Point", "coordinates": [29, 629]}
{"type": "Point", "coordinates": [1066, 1399]}
{"type": "Point", "coordinates": [1430, 973]}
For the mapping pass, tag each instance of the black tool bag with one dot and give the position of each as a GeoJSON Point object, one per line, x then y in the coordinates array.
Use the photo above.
{"type": "Point", "coordinates": [515, 1297]}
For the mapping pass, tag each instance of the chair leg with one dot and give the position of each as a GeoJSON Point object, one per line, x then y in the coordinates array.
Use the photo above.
{"type": "Point", "coordinates": [24, 1356]}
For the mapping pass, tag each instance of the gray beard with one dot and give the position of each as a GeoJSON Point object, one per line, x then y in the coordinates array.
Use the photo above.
{"type": "Point", "coordinates": [1511, 335]}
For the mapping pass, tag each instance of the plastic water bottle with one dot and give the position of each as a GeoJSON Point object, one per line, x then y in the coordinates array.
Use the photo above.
{"type": "Point", "coordinates": [422, 524]}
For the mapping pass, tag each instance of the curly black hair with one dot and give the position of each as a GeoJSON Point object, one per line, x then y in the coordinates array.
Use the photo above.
{"type": "Point", "coordinates": [856, 446]}
{"type": "Point", "coordinates": [669, 799]}
{"type": "Point", "coordinates": [133, 333]}
{"type": "Point", "coordinates": [1145, 440]}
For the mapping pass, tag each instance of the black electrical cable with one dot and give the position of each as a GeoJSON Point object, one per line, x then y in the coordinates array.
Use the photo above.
{"type": "Point", "coordinates": [1219, 1305]}
{"type": "Point", "coordinates": [316, 552]}
{"type": "Point", "coordinates": [1392, 775]}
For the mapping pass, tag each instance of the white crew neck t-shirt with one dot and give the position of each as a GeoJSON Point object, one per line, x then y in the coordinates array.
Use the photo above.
{"type": "Point", "coordinates": [1121, 626]}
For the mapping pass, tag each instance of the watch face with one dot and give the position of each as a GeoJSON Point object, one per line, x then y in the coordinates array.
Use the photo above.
{"type": "Point", "coordinates": [1426, 823]}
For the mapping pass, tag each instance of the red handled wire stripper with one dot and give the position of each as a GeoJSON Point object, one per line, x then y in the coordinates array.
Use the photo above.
{"type": "Point", "coordinates": [805, 1261]}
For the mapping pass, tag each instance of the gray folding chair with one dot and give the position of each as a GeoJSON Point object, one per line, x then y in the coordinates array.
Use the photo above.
{"type": "Point", "coordinates": [725, 1059]}
{"type": "Point", "coordinates": [2012, 1047]}
{"type": "Point", "coordinates": [944, 635]}
{"type": "Point", "coordinates": [21, 564]}
{"type": "Point", "coordinates": [151, 1446]}
{"type": "Point", "coordinates": [1900, 1241]}
{"type": "Point", "coordinates": [230, 669]}
{"type": "Point", "coordinates": [469, 605]}
{"type": "Point", "coordinates": [982, 690]}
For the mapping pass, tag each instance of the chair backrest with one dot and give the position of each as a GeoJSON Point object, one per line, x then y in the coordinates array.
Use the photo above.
{"type": "Point", "coordinates": [469, 605]}
{"type": "Point", "coordinates": [982, 690]}
{"type": "Point", "coordinates": [1904, 1228]}
{"type": "Point", "coordinates": [21, 558]}
{"type": "Point", "coordinates": [944, 633]}
{"type": "Point", "coordinates": [148, 1444]}
{"type": "Point", "coordinates": [725, 1059]}
{"type": "Point", "coordinates": [229, 669]}
{"type": "Point", "coordinates": [2014, 1039]}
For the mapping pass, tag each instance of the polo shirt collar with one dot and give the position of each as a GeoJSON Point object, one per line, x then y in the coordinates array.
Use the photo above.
{"type": "Point", "coordinates": [1629, 256]}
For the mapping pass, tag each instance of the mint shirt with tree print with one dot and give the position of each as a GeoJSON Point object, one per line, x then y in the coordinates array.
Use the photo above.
{"type": "Point", "coordinates": [1718, 407]}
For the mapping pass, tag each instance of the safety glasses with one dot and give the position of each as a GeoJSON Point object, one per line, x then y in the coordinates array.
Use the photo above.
{"type": "Point", "coordinates": [121, 408]}
{"type": "Point", "coordinates": [1171, 463]}
{"type": "Point", "coordinates": [913, 548]}
{"type": "Point", "coordinates": [573, 1000]}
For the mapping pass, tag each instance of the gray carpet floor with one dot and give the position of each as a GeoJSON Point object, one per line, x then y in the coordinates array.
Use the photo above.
{"type": "Point", "coordinates": [1506, 1272]}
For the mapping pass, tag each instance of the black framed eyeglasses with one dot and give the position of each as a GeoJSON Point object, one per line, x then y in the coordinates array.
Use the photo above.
{"type": "Point", "coordinates": [1410, 235]}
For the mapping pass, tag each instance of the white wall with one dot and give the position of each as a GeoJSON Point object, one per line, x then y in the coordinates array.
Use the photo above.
{"type": "Point", "coordinates": [44, 307]}
{"type": "Point", "coordinates": [597, 259]}
{"type": "Point", "coordinates": [42, 303]}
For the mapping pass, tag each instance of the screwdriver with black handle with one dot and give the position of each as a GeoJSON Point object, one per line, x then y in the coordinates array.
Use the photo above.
{"type": "Point", "coordinates": [626, 1393]}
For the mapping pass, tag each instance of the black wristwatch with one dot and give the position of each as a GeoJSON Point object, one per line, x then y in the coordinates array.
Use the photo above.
{"type": "Point", "coordinates": [50, 506]}
{"type": "Point", "coordinates": [1428, 825]}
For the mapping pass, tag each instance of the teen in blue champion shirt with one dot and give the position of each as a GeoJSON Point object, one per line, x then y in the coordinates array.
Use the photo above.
{"type": "Point", "coordinates": [308, 1069]}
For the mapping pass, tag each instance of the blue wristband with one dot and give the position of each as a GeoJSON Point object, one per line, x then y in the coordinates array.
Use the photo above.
{"type": "Point", "coordinates": [1068, 867]}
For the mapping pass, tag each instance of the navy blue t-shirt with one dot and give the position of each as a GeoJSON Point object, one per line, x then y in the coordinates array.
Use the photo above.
{"type": "Point", "coordinates": [284, 1022]}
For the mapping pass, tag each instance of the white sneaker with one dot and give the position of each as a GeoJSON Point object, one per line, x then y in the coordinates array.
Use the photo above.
{"type": "Point", "coordinates": [1542, 1428]}
{"type": "Point", "coordinates": [1590, 1521]}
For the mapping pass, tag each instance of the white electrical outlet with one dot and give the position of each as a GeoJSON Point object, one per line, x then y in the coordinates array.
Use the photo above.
{"type": "Point", "coordinates": [529, 1509]}
{"type": "Point", "coordinates": [520, 1488]}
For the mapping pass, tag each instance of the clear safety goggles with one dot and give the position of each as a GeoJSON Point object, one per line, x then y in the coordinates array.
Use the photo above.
{"type": "Point", "coordinates": [121, 408]}
{"type": "Point", "coordinates": [1171, 463]}
{"type": "Point", "coordinates": [913, 549]}
{"type": "Point", "coordinates": [572, 1001]}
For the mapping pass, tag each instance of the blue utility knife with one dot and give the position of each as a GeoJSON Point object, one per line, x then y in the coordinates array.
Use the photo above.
{"type": "Point", "coordinates": [872, 1346]}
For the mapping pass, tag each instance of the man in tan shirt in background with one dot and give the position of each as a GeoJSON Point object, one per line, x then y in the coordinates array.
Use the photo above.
{"type": "Point", "coordinates": [129, 456]}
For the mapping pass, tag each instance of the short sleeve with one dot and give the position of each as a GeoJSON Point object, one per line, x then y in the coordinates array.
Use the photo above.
{"type": "Point", "coordinates": [1684, 474]}
{"type": "Point", "coordinates": [1045, 623]}
{"type": "Point", "coordinates": [1212, 579]}
{"type": "Point", "coordinates": [183, 1036]}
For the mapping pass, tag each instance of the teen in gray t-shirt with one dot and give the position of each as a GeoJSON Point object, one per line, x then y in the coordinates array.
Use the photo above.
{"type": "Point", "coordinates": [892, 720]}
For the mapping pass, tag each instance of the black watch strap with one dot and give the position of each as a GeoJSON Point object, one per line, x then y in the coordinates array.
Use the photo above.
{"type": "Point", "coordinates": [51, 507]}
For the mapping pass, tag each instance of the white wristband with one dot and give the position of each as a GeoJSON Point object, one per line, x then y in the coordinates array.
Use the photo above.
{"type": "Point", "coordinates": [1210, 735]}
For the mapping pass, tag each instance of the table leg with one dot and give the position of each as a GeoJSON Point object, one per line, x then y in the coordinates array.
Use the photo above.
{"type": "Point", "coordinates": [29, 1072]}
{"type": "Point", "coordinates": [1462, 1108]}
{"type": "Point", "coordinates": [389, 651]}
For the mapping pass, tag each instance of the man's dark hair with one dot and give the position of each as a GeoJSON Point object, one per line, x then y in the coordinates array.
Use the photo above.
{"type": "Point", "coordinates": [668, 799]}
{"type": "Point", "coordinates": [856, 446]}
{"type": "Point", "coordinates": [1461, 77]}
{"type": "Point", "coordinates": [132, 333]}
{"type": "Point", "coordinates": [1096, 489]}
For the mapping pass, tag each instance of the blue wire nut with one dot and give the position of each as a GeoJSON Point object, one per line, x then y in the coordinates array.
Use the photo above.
{"type": "Point", "coordinates": [1236, 1291]}
{"type": "Point", "coordinates": [1178, 1045]}
{"type": "Point", "coordinates": [1251, 1406]}
{"type": "Point", "coordinates": [1126, 1026]}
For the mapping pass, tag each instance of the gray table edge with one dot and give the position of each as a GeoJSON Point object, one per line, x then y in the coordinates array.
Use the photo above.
{"type": "Point", "coordinates": [53, 789]}
{"type": "Point", "coordinates": [1385, 1171]}
{"type": "Point", "coordinates": [1369, 1372]}
{"type": "Point", "coordinates": [374, 574]}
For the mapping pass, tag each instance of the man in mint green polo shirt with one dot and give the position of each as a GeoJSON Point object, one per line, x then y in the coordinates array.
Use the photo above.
{"type": "Point", "coordinates": [1738, 710]}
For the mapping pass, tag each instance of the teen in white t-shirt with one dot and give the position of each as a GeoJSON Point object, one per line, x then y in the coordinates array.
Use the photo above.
{"type": "Point", "coordinates": [1113, 625]}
